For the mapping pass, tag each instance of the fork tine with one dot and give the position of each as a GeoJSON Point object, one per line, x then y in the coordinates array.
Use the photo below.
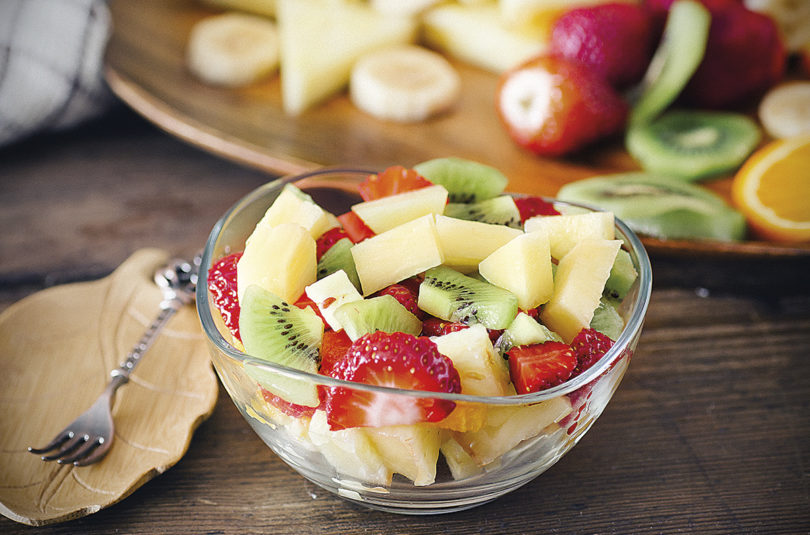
{"type": "Point", "coordinates": [83, 451]}
{"type": "Point", "coordinates": [60, 439]}
{"type": "Point", "coordinates": [69, 446]}
{"type": "Point", "coordinates": [96, 454]}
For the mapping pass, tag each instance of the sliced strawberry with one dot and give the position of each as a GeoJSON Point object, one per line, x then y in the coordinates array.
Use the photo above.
{"type": "Point", "coordinates": [395, 179]}
{"type": "Point", "coordinates": [589, 345]}
{"type": "Point", "coordinates": [405, 296]}
{"type": "Point", "coordinates": [438, 327]}
{"type": "Point", "coordinates": [396, 360]}
{"type": "Point", "coordinates": [290, 409]}
{"type": "Point", "coordinates": [334, 347]}
{"type": "Point", "coordinates": [304, 301]}
{"type": "Point", "coordinates": [529, 207]}
{"type": "Point", "coordinates": [328, 239]}
{"type": "Point", "coordinates": [222, 285]}
{"type": "Point", "coordinates": [539, 366]}
{"type": "Point", "coordinates": [356, 229]}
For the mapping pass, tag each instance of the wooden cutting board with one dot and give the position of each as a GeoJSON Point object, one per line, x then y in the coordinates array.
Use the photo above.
{"type": "Point", "coordinates": [56, 350]}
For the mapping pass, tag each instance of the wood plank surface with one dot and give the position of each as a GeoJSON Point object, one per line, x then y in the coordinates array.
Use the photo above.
{"type": "Point", "coordinates": [708, 433]}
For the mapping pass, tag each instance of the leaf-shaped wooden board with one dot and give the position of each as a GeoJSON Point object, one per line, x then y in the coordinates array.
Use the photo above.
{"type": "Point", "coordinates": [56, 350]}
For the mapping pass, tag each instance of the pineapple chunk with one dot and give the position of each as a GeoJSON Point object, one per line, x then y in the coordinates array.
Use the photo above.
{"type": "Point", "coordinates": [280, 259]}
{"type": "Point", "coordinates": [565, 231]}
{"type": "Point", "coordinates": [410, 450]}
{"type": "Point", "coordinates": [578, 285]}
{"type": "Point", "coordinates": [481, 371]}
{"type": "Point", "coordinates": [382, 259]}
{"type": "Point", "coordinates": [294, 206]}
{"type": "Point", "coordinates": [458, 30]}
{"type": "Point", "coordinates": [522, 266]}
{"type": "Point", "coordinates": [320, 42]}
{"type": "Point", "coordinates": [464, 254]}
{"type": "Point", "coordinates": [460, 462]}
{"type": "Point", "coordinates": [389, 212]}
{"type": "Point", "coordinates": [330, 292]}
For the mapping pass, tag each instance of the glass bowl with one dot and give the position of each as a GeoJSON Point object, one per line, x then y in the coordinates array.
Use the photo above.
{"type": "Point", "coordinates": [444, 470]}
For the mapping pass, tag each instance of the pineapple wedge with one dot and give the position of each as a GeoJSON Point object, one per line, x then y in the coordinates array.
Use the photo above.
{"type": "Point", "coordinates": [330, 292]}
{"type": "Point", "coordinates": [391, 211]}
{"type": "Point", "coordinates": [481, 371]}
{"type": "Point", "coordinates": [463, 254]}
{"type": "Point", "coordinates": [294, 206]}
{"type": "Point", "coordinates": [565, 231]}
{"type": "Point", "coordinates": [410, 450]}
{"type": "Point", "coordinates": [322, 39]}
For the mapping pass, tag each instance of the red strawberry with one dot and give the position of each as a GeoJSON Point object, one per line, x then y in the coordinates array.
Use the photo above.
{"type": "Point", "coordinates": [395, 360]}
{"type": "Point", "coordinates": [290, 409]}
{"type": "Point", "coordinates": [539, 366]}
{"type": "Point", "coordinates": [532, 206]}
{"type": "Point", "coordinates": [405, 296]}
{"type": "Point", "coordinates": [589, 346]}
{"type": "Point", "coordinates": [355, 227]}
{"type": "Point", "coordinates": [438, 327]}
{"type": "Point", "coordinates": [328, 239]}
{"type": "Point", "coordinates": [222, 285]}
{"type": "Point", "coordinates": [334, 347]}
{"type": "Point", "coordinates": [553, 106]}
{"type": "Point", "coordinates": [395, 179]}
{"type": "Point", "coordinates": [615, 40]}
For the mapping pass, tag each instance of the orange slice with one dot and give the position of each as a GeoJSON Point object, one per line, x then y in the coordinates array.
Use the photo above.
{"type": "Point", "coordinates": [772, 190]}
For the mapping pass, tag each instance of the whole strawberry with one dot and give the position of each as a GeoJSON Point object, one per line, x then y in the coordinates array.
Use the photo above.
{"type": "Point", "coordinates": [553, 106]}
{"type": "Point", "coordinates": [616, 40]}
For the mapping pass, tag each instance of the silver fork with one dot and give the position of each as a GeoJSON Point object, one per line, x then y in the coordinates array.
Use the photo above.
{"type": "Point", "coordinates": [88, 438]}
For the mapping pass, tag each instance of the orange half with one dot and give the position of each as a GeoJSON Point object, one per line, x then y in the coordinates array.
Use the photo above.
{"type": "Point", "coordinates": [772, 190]}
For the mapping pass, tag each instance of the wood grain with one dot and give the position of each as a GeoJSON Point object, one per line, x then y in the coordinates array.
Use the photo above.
{"type": "Point", "coordinates": [146, 68]}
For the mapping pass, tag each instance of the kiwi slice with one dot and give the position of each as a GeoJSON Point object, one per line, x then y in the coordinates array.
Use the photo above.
{"type": "Point", "coordinates": [525, 330]}
{"type": "Point", "coordinates": [465, 180]}
{"type": "Point", "coordinates": [622, 276]}
{"type": "Point", "coordinates": [338, 257]}
{"type": "Point", "coordinates": [693, 144]}
{"type": "Point", "coordinates": [451, 296]}
{"type": "Point", "coordinates": [383, 313]}
{"type": "Point", "coordinates": [500, 210]}
{"type": "Point", "coordinates": [674, 62]}
{"type": "Point", "coordinates": [278, 332]}
{"type": "Point", "coordinates": [606, 319]}
{"type": "Point", "coordinates": [659, 206]}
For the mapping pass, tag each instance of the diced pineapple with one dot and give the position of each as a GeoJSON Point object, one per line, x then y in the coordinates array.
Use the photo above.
{"type": "Point", "coordinates": [461, 464]}
{"type": "Point", "coordinates": [578, 285]}
{"type": "Point", "coordinates": [330, 292]}
{"type": "Point", "coordinates": [410, 450]}
{"type": "Point", "coordinates": [320, 42]}
{"type": "Point", "coordinates": [389, 212]}
{"type": "Point", "coordinates": [294, 206]}
{"type": "Point", "coordinates": [565, 231]}
{"type": "Point", "coordinates": [509, 426]}
{"type": "Point", "coordinates": [349, 451]}
{"type": "Point", "coordinates": [458, 30]}
{"type": "Point", "coordinates": [280, 259]}
{"type": "Point", "coordinates": [481, 371]}
{"type": "Point", "coordinates": [463, 253]}
{"type": "Point", "coordinates": [522, 266]}
{"type": "Point", "coordinates": [397, 254]}
{"type": "Point", "coordinates": [465, 416]}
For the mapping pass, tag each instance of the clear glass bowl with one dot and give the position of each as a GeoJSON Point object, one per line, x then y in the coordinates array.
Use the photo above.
{"type": "Point", "coordinates": [524, 435]}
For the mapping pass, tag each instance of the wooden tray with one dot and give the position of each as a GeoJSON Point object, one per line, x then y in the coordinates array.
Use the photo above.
{"type": "Point", "coordinates": [145, 68]}
{"type": "Point", "coordinates": [56, 350]}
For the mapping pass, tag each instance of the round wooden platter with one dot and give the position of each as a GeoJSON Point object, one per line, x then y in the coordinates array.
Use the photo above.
{"type": "Point", "coordinates": [145, 67]}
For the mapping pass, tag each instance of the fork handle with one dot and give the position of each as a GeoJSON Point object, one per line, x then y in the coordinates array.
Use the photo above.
{"type": "Point", "coordinates": [122, 372]}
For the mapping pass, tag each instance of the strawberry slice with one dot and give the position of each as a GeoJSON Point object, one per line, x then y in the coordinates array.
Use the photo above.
{"type": "Point", "coordinates": [589, 346]}
{"type": "Point", "coordinates": [355, 227]}
{"type": "Point", "coordinates": [395, 360]}
{"type": "Point", "coordinates": [334, 347]}
{"type": "Point", "coordinates": [222, 285]}
{"type": "Point", "coordinates": [290, 409]}
{"type": "Point", "coordinates": [438, 327]}
{"type": "Point", "coordinates": [405, 296]}
{"type": "Point", "coordinates": [539, 366]}
{"type": "Point", "coordinates": [328, 239]}
{"type": "Point", "coordinates": [304, 301]}
{"type": "Point", "coordinates": [529, 207]}
{"type": "Point", "coordinates": [395, 179]}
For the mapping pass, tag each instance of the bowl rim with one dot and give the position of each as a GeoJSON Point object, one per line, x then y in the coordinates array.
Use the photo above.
{"type": "Point", "coordinates": [631, 329]}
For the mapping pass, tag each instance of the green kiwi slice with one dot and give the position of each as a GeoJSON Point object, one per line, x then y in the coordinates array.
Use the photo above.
{"type": "Point", "coordinates": [284, 334]}
{"type": "Point", "coordinates": [383, 313]}
{"type": "Point", "coordinates": [622, 276]}
{"type": "Point", "coordinates": [606, 319]}
{"type": "Point", "coordinates": [465, 180]}
{"type": "Point", "coordinates": [338, 257]}
{"type": "Point", "coordinates": [525, 330]}
{"type": "Point", "coordinates": [693, 144]}
{"type": "Point", "coordinates": [451, 296]}
{"type": "Point", "coordinates": [674, 62]}
{"type": "Point", "coordinates": [500, 210]}
{"type": "Point", "coordinates": [659, 206]}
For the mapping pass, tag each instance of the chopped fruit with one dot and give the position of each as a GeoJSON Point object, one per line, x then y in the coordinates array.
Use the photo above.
{"type": "Point", "coordinates": [534, 206]}
{"type": "Point", "coordinates": [222, 285]}
{"type": "Point", "coordinates": [771, 190]}
{"type": "Point", "coordinates": [410, 450]}
{"type": "Point", "coordinates": [394, 210]}
{"type": "Point", "coordinates": [290, 409]}
{"type": "Point", "coordinates": [395, 179]}
{"type": "Point", "coordinates": [525, 331]}
{"type": "Point", "coordinates": [330, 293]}
{"type": "Point", "coordinates": [553, 106]}
{"type": "Point", "coordinates": [565, 231]}
{"type": "Point", "coordinates": [465, 180]}
{"type": "Point", "coordinates": [354, 227]}
{"type": "Point", "coordinates": [500, 210]}
{"type": "Point", "coordinates": [305, 302]}
{"type": "Point", "coordinates": [405, 296]}
{"type": "Point", "coordinates": [540, 366]}
{"type": "Point", "coordinates": [339, 258]}
{"type": "Point", "coordinates": [589, 346]}
{"type": "Point", "coordinates": [383, 313]}
{"type": "Point", "coordinates": [438, 327]}
{"type": "Point", "coordinates": [327, 240]}
{"type": "Point", "coordinates": [481, 371]}
{"type": "Point", "coordinates": [393, 360]}
{"type": "Point", "coordinates": [462, 253]}
{"type": "Point", "coordinates": [334, 347]}
{"type": "Point", "coordinates": [294, 206]}
{"type": "Point", "coordinates": [615, 40]}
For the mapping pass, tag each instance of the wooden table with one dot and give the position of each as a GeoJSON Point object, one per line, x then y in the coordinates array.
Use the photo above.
{"type": "Point", "coordinates": [709, 432]}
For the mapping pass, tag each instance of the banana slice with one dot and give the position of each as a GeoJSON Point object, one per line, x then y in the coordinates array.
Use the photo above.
{"type": "Point", "coordinates": [405, 83]}
{"type": "Point", "coordinates": [233, 49]}
{"type": "Point", "coordinates": [785, 110]}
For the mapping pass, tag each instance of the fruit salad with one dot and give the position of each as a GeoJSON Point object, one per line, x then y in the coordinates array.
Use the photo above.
{"type": "Point", "coordinates": [437, 282]}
